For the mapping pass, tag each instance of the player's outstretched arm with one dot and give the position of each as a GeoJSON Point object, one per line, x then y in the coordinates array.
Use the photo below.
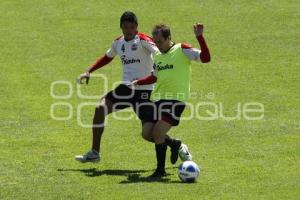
{"type": "Point", "coordinates": [104, 60]}
{"type": "Point", "coordinates": [205, 54]}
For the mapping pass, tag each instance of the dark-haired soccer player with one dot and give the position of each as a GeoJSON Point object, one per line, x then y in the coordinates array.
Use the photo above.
{"type": "Point", "coordinates": [172, 89]}
{"type": "Point", "coordinates": [135, 50]}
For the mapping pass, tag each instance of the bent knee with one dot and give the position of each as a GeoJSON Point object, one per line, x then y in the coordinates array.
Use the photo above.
{"type": "Point", "coordinates": [102, 110]}
{"type": "Point", "coordinates": [147, 136]}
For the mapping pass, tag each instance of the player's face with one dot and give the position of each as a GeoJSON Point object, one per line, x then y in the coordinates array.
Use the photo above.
{"type": "Point", "coordinates": [129, 30]}
{"type": "Point", "coordinates": [162, 44]}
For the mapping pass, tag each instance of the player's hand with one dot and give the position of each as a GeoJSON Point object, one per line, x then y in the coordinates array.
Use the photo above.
{"type": "Point", "coordinates": [85, 76]}
{"type": "Point", "coordinates": [133, 84]}
{"type": "Point", "coordinates": [198, 29]}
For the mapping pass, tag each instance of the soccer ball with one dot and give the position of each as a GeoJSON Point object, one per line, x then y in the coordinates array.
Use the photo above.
{"type": "Point", "coordinates": [188, 171]}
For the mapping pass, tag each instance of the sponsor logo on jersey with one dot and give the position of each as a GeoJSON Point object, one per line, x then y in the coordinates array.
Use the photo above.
{"type": "Point", "coordinates": [129, 61]}
{"type": "Point", "coordinates": [160, 67]}
{"type": "Point", "coordinates": [134, 47]}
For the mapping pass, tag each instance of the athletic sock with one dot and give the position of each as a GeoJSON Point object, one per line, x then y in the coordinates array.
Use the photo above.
{"type": "Point", "coordinates": [161, 150]}
{"type": "Point", "coordinates": [169, 141]}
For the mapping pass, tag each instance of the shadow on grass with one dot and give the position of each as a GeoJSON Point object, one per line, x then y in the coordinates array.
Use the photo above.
{"type": "Point", "coordinates": [92, 172]}
{"type": "Point", "coordinates": [133, 176]}
{"type": "Point", "coordinates": [137, 178]}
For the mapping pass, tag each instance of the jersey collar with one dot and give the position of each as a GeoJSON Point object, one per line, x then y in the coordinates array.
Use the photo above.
{"type": "Point", "coordinates": [170, 48]}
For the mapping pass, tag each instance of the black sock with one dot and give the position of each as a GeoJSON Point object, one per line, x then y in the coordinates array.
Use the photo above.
{"type": "Point", "coordinates": [169, 141]}
{"type": "Point", "coordinates": [161, 150]}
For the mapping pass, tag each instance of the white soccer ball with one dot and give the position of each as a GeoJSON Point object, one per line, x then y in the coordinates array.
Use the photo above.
{"type": "Point", "coordinates": [188, 171]}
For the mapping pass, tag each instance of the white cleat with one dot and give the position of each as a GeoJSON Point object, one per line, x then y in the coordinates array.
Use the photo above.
{"type": "Point", "coordinates": [184, 153]}
{"type": "Point", "coordinates": [91, 156]}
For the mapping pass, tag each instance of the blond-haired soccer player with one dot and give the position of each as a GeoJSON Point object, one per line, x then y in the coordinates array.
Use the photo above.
{"type": "Point", "coordinates": [172, 69]}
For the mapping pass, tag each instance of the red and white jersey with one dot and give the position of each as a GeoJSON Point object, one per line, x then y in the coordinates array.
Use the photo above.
{"type": "Point", "coordinates": [136, 57]}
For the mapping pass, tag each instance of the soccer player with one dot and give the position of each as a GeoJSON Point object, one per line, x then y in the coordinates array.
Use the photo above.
{"type": "Point", "coordinates": [135, 50]}
{"type": "Point", "coordinates": [172, 76]}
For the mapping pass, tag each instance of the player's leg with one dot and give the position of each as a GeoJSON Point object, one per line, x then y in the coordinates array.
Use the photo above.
{"type": "Point", "coordinates": [177, 147]}
{"type": "Point", "coordinates": [159, 132]}
{"type": "Point", "coordinates": [147, 128]}
{"type": "Point", "coordinates": [168, 116]}
{"type": "Point", "coordinates": [113, 101]}
{"type": "Point", "coordinates": [170, 111]}
{"type": "Point", "coordinates": [146, 111]}
{"type": "Point", "coordinates": [102, 110]}
{"type": "Point", "coordinates": [174, 144]}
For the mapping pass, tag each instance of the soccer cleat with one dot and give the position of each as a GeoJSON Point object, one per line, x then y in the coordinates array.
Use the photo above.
{"type": "Point", "coordinates": [91, 156]}
{"type": "Point", "coordinates": [158, 174]}
{"type": "Point", "coordinates": [184, 153]}
{"type": "Point", "coordinates": [175, 150]}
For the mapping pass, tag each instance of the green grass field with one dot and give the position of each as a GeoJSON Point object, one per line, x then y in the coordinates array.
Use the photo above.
{"type": "Point", "coordinates": [255, 58]}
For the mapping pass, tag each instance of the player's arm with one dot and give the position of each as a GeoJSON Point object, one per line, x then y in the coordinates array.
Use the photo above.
{"type": "Point", "coordinates": [102, 61]}
{"type": "Point", "coordinates": [202, 54]}
{"type": "Point", "coordinates": [146, 80]}
{"type": "Point", "coordinates": [152, 78]}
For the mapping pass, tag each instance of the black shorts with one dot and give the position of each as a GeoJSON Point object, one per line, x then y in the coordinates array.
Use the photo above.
{"type": "Point", "coordinates": [167, 110]}
{"type": "Point", "coordinates": [123, 97]}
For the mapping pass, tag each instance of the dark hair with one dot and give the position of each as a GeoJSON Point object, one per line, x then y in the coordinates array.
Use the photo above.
{"type": "Point", "coordinates": [128, 16]}
{"type": "Point", "coordinates": [163, 29]}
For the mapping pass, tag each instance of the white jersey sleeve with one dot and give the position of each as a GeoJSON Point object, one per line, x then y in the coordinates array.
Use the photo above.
{"type": "Point", "coordinates": [147, 43]}
{"type": "Point", "coordinates": [111, 52]}
{"type": "Point", "coordinates": [150, 46]}
{"type": "Point", "coordinates": [191, 53]}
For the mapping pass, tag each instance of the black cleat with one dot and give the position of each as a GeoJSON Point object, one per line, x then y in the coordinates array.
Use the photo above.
{"type": "Point", "coordinates": [174, 150]}
{"type": "Point", "coordinates": [158, 174]}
